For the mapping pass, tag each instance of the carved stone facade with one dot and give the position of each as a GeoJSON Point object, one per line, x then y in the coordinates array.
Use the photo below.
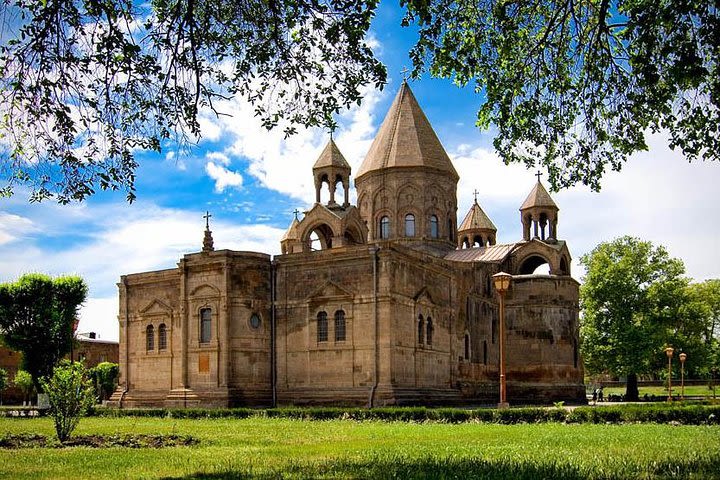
{"type": "Point", "coordinates": [374, 304]}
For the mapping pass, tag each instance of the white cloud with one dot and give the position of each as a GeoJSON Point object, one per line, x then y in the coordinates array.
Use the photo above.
{"type": "Point", "coordinates": [223, 177]}
{"type": "Point", "coordinates": [285, 165]}
{"type": "Point", "coordinates": [218, 157]}
{"type": "Point", "coordinates": [99, 315]}
{"type": "Point", "coordinates": [120, 239]}
{"type": "Point", "coordinates": [13, 226]}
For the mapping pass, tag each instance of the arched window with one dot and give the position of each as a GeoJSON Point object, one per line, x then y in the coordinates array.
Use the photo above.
{"type": "Point", "coordinates": [421, 329]}
{"type": "Point", "coordinates": [575, 354]}
{"type": "Point", "coordinates": [429, 329]}
{"type": "Point", "coordinates": [384, 227]}
{"type": "Point", "coordinates": [339, 326]}
{"type": "Point", "coordinates": [434, 229]}
{"type": "Point", "coordinates": [409, 225]}
{"type": "Point", "coordinates": [150, 338]}
{"type": "Point", "coordinates": [205, 325]}
{"type": "Point", "coordinates": [493, 327]}
{"type": "Point", "coordinates": [322, 327]}
{"type": "Point", "coordinates": [467, 346]}
{"type": "Point", "coordinates": [162, 337]}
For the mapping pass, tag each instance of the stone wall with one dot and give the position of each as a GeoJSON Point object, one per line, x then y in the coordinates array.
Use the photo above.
{"type": "Point", "coordinates": [311, 370]}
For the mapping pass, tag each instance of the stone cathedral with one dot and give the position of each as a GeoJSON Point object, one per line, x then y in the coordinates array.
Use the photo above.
{"type": "Point", "coordinates": [387, 302]}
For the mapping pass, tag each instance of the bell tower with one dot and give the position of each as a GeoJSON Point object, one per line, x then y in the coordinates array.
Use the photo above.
{"type": "Point", "coordinates": [332, 168]}
{"type": "Point", "coordinates": [539, 215]}
{"type": "Point", "coordinates": [476, 228]}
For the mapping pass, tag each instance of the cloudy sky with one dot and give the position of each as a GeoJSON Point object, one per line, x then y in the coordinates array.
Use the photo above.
{"type": "Point", "coordinates": [251, 180]}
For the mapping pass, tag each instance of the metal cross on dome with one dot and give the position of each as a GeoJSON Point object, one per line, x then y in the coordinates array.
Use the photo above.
{"type": "Point", "coordinates": [538, 174]}
{"type": "Point", "coordinates": [475, 192]}
{"type": "Point", "coordinates": [405, 73]}
{"type": "Point", "coordinates": [296, 211]}
{"type": "Point", "coordinates": [207, 219]}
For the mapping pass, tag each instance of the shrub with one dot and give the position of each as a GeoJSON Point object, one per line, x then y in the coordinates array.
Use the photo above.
{"type": "Point", "coordinates": [23, 381]}
{"type": "Point", "coordinates": [683, 414]}
{"type": "Point", "coordinates": [3, 382]}
{"type": "Point", "coordinates": [71, 394]}
{"type": "Point", "coordinates": [104, 377]}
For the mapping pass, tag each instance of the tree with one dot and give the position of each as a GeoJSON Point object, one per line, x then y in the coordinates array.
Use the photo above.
{"type": "Point", "coordinates": [37, 316]}
{"type": "Point", "coordinates": [24, 381]}
{"type": "Point", "coordinates": [86, 83]}
{"type": "Point", "coordinates": [71, 395]}
{"type": "Point", "coordinates": [571, 85]}
{"type": "Point", "coordinates": [707, 295]}
{"type": "Point", "coordinates": [575, 85]}
{"type": "Point", "coordinates": [3, 382]}
{"type": "Point", "coordinates": [630, 298]}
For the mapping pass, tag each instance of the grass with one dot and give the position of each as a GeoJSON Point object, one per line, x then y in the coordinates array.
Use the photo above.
{"type": "Point", "coordinates": [690, 391]}
{"type": "Point", "coordinates": [285, 448]}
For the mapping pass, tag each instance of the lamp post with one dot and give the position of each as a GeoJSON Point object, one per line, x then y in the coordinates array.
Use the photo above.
{"type": "Point", "coordinates": [502, 285]}
{"type": "Point", "coordinates": [669, 352]}
{"type": "Point", "coordinates": [682, 356]}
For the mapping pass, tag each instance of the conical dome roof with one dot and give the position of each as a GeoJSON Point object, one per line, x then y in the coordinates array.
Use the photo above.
{"type": "Point", "coordinates": [476, 219]}
{"type": "Point", "coordinates": [291, 233]}
{"type": "Point", "coordinates": [331, 157]}
{"type": "Point", "coordinates": [539, 197]}
{"type": "Point", "coordinates": [406, 139]}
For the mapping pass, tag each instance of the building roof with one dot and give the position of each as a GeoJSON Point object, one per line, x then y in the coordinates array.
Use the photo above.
{"type": "Point", "coordinates": [406, 139]}
{"type": "Point", "coordinates": [476, 220]}
{"type": "Point", "coordinates": [291, 232]}
{"type": "Point", "coordinates": [539, 197]}
{"type": "Point", "coordinates": [490, 254]}
{"type": "Point", "coordinates": [331, 157]}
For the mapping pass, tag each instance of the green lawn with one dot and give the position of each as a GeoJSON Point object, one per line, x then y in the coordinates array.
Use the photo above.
{"type": "Point", "coordinates": [277, 448]}
{"type": "Point", "coordinates": [690, 391]}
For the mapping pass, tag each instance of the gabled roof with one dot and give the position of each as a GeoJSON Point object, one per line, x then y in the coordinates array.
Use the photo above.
{"type": "Point", "coordinates": [291, 232]}
{"type": "Point", "coordinates": [406, 139]}
{"type": "Point", "coordinates": [476, 220]}
{"type": "Point", "coordinates": [331, 157]}
{"type": "Point", "coordinates": [539, 197]}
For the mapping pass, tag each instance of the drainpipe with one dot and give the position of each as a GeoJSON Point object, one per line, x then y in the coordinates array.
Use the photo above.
{"type": "Point", "coordinates": [374, 251]}
{"type": "Point", "coordinates": [273, 353]}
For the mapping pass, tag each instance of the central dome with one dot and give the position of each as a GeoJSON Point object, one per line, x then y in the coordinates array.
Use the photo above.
{"type": "Point", "coordinates": [406, 139]}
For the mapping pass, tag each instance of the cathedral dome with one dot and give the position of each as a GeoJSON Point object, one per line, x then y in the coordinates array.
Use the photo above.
{"type": "Point", "coordinates": [407, 185]}
{"type": "Point", "coordinates": [406, 139]}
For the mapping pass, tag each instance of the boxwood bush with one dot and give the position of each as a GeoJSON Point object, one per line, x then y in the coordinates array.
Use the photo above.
{"type": "Point", "coordinates": [686, 414]}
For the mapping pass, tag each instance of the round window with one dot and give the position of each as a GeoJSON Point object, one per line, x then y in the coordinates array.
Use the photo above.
{"type": "Point", "coordinates": [255, 321]}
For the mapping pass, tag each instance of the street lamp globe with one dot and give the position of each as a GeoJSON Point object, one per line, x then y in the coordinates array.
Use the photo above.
{"type": "Point", "coordinates": [502, 281]}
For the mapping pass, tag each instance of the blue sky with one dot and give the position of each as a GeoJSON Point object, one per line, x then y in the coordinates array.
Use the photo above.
{"type": "Point", "coordinates": [251, 180]}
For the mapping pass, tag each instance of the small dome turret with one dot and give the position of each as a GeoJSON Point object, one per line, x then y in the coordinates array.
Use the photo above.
{"type": "Point", "coordinates": [539, 211]}
{"type": "Point", "coordinates": [476, 228]}
{"type": "Point", "coordinates": [332, 168]}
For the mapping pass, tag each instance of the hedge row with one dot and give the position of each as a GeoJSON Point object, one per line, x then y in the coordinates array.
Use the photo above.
{"type": "Point", "coordinates": [681, 414]}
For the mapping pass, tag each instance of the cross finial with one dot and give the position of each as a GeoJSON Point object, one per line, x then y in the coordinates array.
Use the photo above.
{"type": "Point", "coordinates": [475, 192]}
{"type": "Point", "coordinates": [405, 73]}
{"type": "Point", "coordinates": [538, 174]}
{"type": "Point", "coordinates": [207, 219]}
{"type": "Point", "coordinates": [296, 211]}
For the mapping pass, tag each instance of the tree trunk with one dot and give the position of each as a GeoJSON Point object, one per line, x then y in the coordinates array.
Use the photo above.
{"type": "Point", "coordinates": [631, 388]}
